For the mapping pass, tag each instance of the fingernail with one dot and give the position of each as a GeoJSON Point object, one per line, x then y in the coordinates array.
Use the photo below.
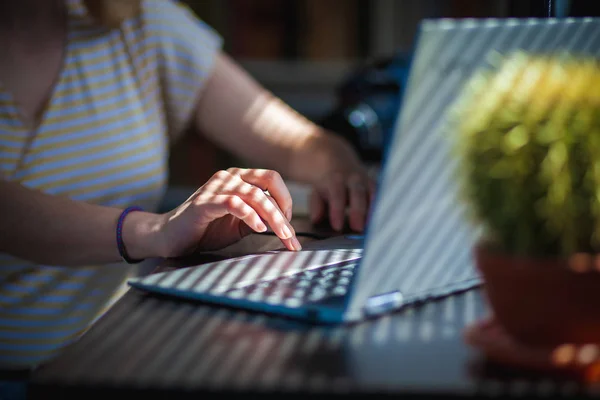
{"type": "Point", "coordinates": [261, 226]}
{"type": "Point", "coordinates": [296, 244]}
{"type": "Point", "coordinates": [287, 233]}
{"type": "Point", "coordinates": [288, 214]}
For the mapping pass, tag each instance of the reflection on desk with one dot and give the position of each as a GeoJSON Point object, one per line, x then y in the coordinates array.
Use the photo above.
{"type": "Point", "coordinates": [148, 341]}
{"type": "Point", "coordinates": [175, 347]}
{"type": "Point", "coordinates": [152, 343]}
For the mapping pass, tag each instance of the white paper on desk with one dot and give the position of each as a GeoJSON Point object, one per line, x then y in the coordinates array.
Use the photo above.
{"type": "Point", "coordinates": [300, 198]}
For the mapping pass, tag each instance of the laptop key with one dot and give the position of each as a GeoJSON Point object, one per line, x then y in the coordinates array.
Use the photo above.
{"type": "Point", "coordinates": [237, 293]}
{"type": "Point", "coordinates": [325, 283]}
{"type": "Point", "coordinates": [293, 302]}
{"type": "Point", "coordinates": [343, 281]}
{"type": "Point", "coordinates": [294, 290]}
{"type": "Point", "coordinates": [299, 293]}
{"type": "Point", "coordinates": [317, 295]}
{"type": "Point", "coordinates": [303, 284]}
{"type": "Point", "coordinates": [330, 270]}
{"type": "Point", "coordinates": [340, 290]}
{"type": "Point", "coordinates": [256, 296]}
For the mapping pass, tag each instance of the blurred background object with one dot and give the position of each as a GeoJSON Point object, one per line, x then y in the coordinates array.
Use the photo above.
{"type": "Point", "coordinates": [341, 63]}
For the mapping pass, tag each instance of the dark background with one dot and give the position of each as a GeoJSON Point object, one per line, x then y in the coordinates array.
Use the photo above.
{"type": "Point", "coordinates": [303, 49]}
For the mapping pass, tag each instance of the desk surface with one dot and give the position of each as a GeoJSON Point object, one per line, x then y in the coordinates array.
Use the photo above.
{"type": "Point", "coordinates": [147, 342]}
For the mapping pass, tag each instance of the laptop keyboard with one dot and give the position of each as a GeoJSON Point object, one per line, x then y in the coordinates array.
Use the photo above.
{"type": "Point", "coordinates": [308, 286]}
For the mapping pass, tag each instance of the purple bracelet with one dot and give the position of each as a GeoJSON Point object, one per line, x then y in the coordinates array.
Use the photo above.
{"type": "Point", "coordinates": [120, 243]}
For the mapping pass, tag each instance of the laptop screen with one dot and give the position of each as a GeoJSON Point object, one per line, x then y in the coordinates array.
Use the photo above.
{"type": "Point", "coordinates": [419, 240]}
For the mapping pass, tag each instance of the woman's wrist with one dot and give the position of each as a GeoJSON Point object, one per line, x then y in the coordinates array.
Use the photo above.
{"type": "Point", "coordinates": [142, 235]}
{"type": "Point", "coordinates": [324, 153]}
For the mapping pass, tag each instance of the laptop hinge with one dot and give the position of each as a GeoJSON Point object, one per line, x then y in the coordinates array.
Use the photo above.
{"type": "Point", "coordinates": [383, 303]}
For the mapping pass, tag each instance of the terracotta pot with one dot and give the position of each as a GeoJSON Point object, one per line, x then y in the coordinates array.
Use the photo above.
{"type": "Point", "coordinates": [543, 302]}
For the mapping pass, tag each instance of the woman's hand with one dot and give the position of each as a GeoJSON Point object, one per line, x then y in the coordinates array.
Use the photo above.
{"type": "Point", "coordinates": [228, 207]}
{"type": "Point", "coordinates": [341, 193]}
{"type": "Point", "coordinates": [344, 187]}
{"type": "Point", "coordinates": [237, 113]}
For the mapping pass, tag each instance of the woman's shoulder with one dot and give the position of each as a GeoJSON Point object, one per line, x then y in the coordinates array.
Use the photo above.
{"type": "Point", "coordinates": [184, 49]}
{"type": "Point", "coordinates": [172, 14]}
{"type": "Point", "coordinates": [173, 25]}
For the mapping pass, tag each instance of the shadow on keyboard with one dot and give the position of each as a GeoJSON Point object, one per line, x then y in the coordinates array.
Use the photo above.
{"type": "Point", "coordinates": [309, 286]}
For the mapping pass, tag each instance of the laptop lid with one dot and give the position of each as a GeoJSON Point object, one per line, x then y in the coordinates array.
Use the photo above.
{"type": "Point", "coordinates": [419, 242]}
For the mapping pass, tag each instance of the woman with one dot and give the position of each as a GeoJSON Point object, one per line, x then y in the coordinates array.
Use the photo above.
{"type": "Point", "coordinates": [91, 94]}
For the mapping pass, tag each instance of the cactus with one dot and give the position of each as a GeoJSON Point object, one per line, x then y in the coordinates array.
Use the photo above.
{"type": "Point", "coordinates": [528, 144]}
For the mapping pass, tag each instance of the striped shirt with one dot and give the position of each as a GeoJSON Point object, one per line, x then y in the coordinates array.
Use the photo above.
{"type": "Point", "coordinates": [121, 96]}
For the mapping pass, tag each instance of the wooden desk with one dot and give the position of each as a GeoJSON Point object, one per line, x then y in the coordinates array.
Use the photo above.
{"type": "Point", "coordinates": [151, 344]}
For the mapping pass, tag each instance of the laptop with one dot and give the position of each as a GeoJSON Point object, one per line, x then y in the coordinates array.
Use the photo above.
{"type": "Point", "coordinates": [418, 241]}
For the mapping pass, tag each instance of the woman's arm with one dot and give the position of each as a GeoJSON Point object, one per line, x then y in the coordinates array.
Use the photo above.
{"type": "Point", "coordinates": [56, 230]}
{"type": "Point", "coordinates": [241, 116]}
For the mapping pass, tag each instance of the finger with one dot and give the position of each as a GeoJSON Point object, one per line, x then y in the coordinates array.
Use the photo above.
{"type": "Point", "coordinates": [270, 181]}
{"type": "Point", "coordinates": [336, 198]}
{"type": "Point", "coordinates": [222, 205]}
{"type": "Point", "coordinates": [266, 209]}
{"type": "Point", "coordinates": [231, 182]}
{"type": "Point", "coordinates": [291, 243]}
{"type": "Point", "coordinates": [245, 230]}
{"type": "Point", "coordinates": [317, 207]}
{"type": "Point", "coordinates": [218, 182]}
{"type": "Point", "coordinates": [358, 193]}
